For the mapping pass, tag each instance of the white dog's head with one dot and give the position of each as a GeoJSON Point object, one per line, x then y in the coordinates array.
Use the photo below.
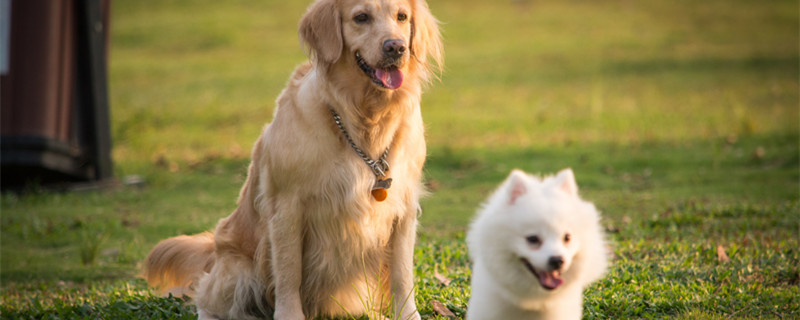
{"type": "Point", "coordinates": [537, 235]}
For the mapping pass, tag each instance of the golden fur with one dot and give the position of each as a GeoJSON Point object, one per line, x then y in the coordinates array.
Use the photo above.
{"type": "Point", "coordinates": [307, 239]}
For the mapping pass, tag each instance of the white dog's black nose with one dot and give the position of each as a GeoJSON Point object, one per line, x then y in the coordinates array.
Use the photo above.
{"type": "Point", "coordinates": [394, 48]}
{"type": "Point", "coordinates": [555, 262]}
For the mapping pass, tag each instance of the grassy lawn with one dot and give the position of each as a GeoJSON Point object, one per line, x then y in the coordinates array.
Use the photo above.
{"type": "Point", "coordinates": [680, 119]}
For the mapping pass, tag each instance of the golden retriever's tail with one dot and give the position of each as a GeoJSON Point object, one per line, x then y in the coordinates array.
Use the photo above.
{"type": "Point", "coordinates": [176, 264]}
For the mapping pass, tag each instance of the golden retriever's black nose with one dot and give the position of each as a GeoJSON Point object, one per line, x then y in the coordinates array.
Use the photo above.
{"type": "Point", "coordinates": [394, 48]}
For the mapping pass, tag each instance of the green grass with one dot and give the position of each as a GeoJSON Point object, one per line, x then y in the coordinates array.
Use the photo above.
{"type": "Point", "coordinates": [679, 118]}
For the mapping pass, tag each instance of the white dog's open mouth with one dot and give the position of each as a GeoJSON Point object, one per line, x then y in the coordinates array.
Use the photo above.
{"type": "Point", "coordinates": [390, 78]}
{"type": "Point", "coordinates": [548, 279]}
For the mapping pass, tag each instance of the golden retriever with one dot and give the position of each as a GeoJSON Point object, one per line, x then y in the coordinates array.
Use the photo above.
{"type": "Point", "coordinates": [326, 221]}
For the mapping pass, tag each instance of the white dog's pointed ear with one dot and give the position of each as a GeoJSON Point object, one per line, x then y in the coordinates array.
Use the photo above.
{"type": "Point", "coordinates": [565, 181]}
{"type": "Point", "coordinates": [516, 185]}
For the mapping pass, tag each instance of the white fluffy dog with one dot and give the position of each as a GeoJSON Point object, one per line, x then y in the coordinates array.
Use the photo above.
{"type": "Point", "coordinates": [535, 246]}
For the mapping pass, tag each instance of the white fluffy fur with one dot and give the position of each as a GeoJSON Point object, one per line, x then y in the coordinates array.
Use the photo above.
{"type": "Point", "coordinates": [523, 206]}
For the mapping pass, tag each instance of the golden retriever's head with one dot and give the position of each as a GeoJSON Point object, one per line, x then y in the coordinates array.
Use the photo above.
{"type": "Point", "coordinates": [385, 41]}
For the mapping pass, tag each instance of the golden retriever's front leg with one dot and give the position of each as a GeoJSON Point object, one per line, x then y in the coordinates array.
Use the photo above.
{"type": "Point", "coordinates": [402, 268]}
{"type": "Point", "coordinates": [286, 237]}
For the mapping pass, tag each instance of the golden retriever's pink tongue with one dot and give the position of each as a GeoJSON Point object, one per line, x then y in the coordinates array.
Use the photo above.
{"type": "Point", "coordinates": [391, 79]}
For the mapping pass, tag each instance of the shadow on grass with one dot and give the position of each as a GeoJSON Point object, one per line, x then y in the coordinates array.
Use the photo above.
{"type": "Point", "coordinates": [701, 65]}
{"type": "Point", "coordinates": [623, 180]}
{"type": "Point", "coordinates": [114, 306]}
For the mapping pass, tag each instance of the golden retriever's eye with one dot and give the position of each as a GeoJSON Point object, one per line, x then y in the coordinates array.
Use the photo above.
{"type": "Point", "coordinates": [567, 237]}
{"type": "Point", "coordinates": [402, 17]}
{"type": "Point", "coordinates": [361, 18]}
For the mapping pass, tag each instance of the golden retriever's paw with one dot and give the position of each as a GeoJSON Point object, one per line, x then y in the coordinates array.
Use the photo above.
{"type": "Point", "coordinates": [204, 315]}
{"type": "Point", "coordinates": [288, 315]}
{"type": "Point", "coordinates": [412, 316]}
{"type": "Point", "coordinates": [407, 314]}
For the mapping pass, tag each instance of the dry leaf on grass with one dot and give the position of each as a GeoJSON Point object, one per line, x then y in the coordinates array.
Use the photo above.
{"type": "Point", "coordinates": [721, 255]}
{"type": "Point", "coordinates": [442, 279]}
{"type": "Point", "coordinates": [441, 309]}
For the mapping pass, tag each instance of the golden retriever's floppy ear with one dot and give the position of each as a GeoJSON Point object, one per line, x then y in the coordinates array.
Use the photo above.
{"type": "Point", "coordinates": [321, 31]}
{"type": "Point", "coordinates": [426, 41]}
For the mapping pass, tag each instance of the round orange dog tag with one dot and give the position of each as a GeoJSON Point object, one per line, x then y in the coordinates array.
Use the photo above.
{"type": "Point", "coordinates": [380, 189]}
{"type": "Point", "coordinates": [379, 194]}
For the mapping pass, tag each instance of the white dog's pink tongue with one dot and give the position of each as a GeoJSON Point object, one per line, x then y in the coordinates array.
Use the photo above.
{"type": "Point", "coordinates": [391, 79]}
{"type": "Point", "coordinates": [550, 280]}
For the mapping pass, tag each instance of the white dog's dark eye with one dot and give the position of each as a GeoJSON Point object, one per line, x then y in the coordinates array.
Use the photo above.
{"type": "Point", "coordinates": [361, 18]}
{"type": "Point", "coordinates": [533, 240]}
{"type": "Point", "coordinates": [402, 17]}
{"type": "Point", "coordinates": [567, 237]}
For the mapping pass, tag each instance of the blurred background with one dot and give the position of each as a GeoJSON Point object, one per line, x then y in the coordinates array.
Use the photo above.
{"type": "Point", "coordinates": [190, 79]}
{"type": "Point", "coordinates": [524, 80]}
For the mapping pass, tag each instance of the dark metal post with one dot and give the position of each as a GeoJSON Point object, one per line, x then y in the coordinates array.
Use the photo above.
{"type": "Point", "coordinates": [93, 85]}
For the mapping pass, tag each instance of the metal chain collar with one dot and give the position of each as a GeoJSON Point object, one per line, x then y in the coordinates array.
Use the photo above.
{"type": "Point", "coordinates": [379, 167]}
